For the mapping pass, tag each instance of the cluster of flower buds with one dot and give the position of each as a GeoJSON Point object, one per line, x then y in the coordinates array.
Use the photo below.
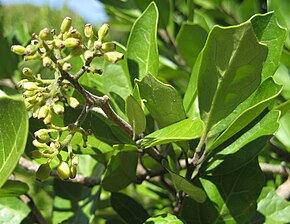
{"type": "Point", "coordinates": [46, 98]}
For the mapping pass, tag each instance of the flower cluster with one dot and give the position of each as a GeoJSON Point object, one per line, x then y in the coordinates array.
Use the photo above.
{"type": "Point", "coordinates": [46, 98]}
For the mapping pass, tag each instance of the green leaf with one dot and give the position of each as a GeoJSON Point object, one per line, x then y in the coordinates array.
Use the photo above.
{"type": "Point", "coordinates": [274, 209]}
{"type": "Point", "coordinates": [281, 9]}
{"type": "Point", "coordinates": [13, 188]}
{"type": "Point", "coordinates": [13, 133]}
{"type": "Point", "coordinates": [256, 103]}
{"type": "Point", "coordinates": [121, 171]}
{"type": "Point", "coordinates": [234, 195]}
{"type": "Point", "coordinates": [142, 51]}
{"type": "Point", "coordinates": [163, 101]}
{"type": "Point", "coordinates": [181, 131]}
{"type": "Point", "coordinates": [236, 155]}
{"type": "Point", "coordinates": [129, 209]}
{"type": "Point", "coordinates": [284, 131]}
{"type": "Point", "coordinates": [231, 198]}
{"type": "Point", "coordinates": [73, 202]}
{"type": "Point", "coordinates": [182, 184]}
{"type": "Point", "coordinates": [193, 34]}
{"type": "Point", "coordinates": [230, 70]}
{"type": "Point", "coordinates": [115, 78]}
{"type": "Point", "coordinates": [12, 210]}
{"type": "Point", "coordinates": [268, 31]}
{"type": "Point", "coordinates": [164, 219]}
{"type": "Point", "coordinates": [135, 115]}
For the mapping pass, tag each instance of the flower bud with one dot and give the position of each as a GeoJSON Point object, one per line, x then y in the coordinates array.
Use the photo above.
{"type": "Point", "coordinates": [72, 42]}
{"type": "Point", "coordinates": [44, 34]}
{"type": "Point", "coordinates": [58, 43]}
{"type": "Point", "coordinates": [73, 102]}
{"type": "Point", "coordinates": [38, 144]}
{"type": "Point", "coordinates": [18, 49]}
{"type": "Point", "coordinates": [43, 172]}
{"type": "Point", "coordinates": [63, 170]}
{"type": "Point", "coordinates": [103, 31]}
{"type": "Point", "coordinates": [89, 33]}
{"type": "Point", "coordinates": [31, 57]}
{"type": "Point", "coordinates": [43, 111]}
{"type": "Point", "coordinates": [36, 154]}
{"type": "Point", "coordinates": [31, 49]}
{"type": "Point", "coordinates": [58, 108]}
{"type": "Point", "coordinates": [108, 46]}
{"type": "Point", "coordinates": [75, 161]}
{"type": "Point", "coordinates": [67, 66]}
{"type": "Point", "coordinates": [42, 135]}
{"type": "Point", "coordinates": [29, 86]}
{"type": "Point", "coordinates": [113, 56]}
{"type": "Point", "coordinates": [48, 118]}
{"type": "Point", "coordinates": [73, 172]}
{"type": "Point", "coordinates": [88, 55]}
{"type": "Point", "coordinates": [75, 34]}
{"type": "Point", "coordinates": [28, 93]}
{"type": "Point", "coordinates": [27, 71]}
{"type": "Point", "coordinates": [97, 45]}
{"type": "Point", "coordinates": [35, 112]}
{"type": "Point", "coordinates": [28, 105]}
{"type": "Point", "coordinates": [46, 62]}
{"type": "Point", "coordinates": [65, 25]}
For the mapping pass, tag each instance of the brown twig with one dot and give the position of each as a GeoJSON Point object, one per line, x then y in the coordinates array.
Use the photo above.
{"type": "Point", "coordinates": [102, 102]}
{"type": "Point", "coordinates": [30, 203]}
{"type": "Point", "coordinates": [87, 181]}
{"type": "Point", "coordinates": [284, 189]}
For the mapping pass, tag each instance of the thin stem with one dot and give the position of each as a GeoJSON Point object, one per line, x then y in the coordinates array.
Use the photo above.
{"type": "Point", "coordinates": [87, 181]}
{"type": "Point", "coordinates": [37, 214]}
{"type": "Point", "coordinates": [102, 102]}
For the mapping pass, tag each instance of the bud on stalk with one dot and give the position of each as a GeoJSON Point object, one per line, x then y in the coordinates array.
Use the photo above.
{"type": "Point", "coordinates": [63, 170]}
{"type": "Point", "coordinates": [103, 31]}
{"type": "Point", "coordinates": [89, 33]}
{"type": "Point", "coordinates": [65, 25]}
{"type": "Point", "coordinates": [43, 172]}
{"type": "Point", "coordinates": [108, 46]}
{"type": "Point", "coordinates": [72, 42]}
{"type": "Point", "coordinates": [18, 49]}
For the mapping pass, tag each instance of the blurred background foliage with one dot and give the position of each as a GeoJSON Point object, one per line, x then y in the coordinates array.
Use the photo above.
{"type": "Point", "coordinates": [180, 21]}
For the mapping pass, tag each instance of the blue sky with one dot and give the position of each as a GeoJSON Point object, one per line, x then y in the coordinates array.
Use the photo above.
{"type": "Point", "coordinates": [90, 10]}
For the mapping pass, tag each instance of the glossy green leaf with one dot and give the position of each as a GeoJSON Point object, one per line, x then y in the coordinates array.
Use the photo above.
{"type": "Point", "coordinates": [73, 202]}
{"type": "Point", "coordinates": [13, 133]}
{"type": "Point", "coordinates": [274, 209]}
{"type": "Point", "coordinates": [115, 78]}
{"type": "Point", "coordinates": [142, 51]}
{"type": "Point", "coordinates": [234, 195]}
{"type": "Point", "coordinates": [264, 95]}
{"type": "Point", "coordinates": [240, 152]}
{"type": "Point", "coordinates": [193, 34]}
{"type": "Point", "coordinates": [182, 184]}
{"type": "Point", "coordinates": [181, 131]}
{"type": "Point", "coordinates": [284, 131]}
{"type": "Point", "coordinates": [129, 209]}
{"type": "Point", "coordinates": [13, 188]}
{"type": "Point", "coordinates": [268, 31]}
{"type": "Point", "coordinates": [135, 115]}
{"type": "Point", "coordinates": [230, 70]}
{"type": "Point", "coordinates": [231, 198]}
{"type": "Point", "coordinates": [8, 63]}
{"type": "Point", "coordinates": [281, 9]}
{"type": "Point", "coordinates": [163, 101]}
{"type": "Point", "coordinates": [12, 210]}
{"type": "Point", "coordinates": [121, 171]}
{"type": "Point", "coordinates": [164, 219]}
